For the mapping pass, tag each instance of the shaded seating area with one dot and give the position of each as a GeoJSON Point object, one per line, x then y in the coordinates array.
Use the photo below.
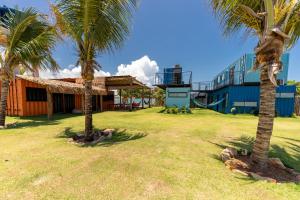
{"type": "Point", "coordinates": [121, 83]}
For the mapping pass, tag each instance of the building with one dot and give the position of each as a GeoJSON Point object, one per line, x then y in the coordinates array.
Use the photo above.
{"type": "Point", "coordinates": [30, 96]}
{"type": "Point", "coordinates": [237, 86]}
{"type": "Point", "coordinates": [177, 85]}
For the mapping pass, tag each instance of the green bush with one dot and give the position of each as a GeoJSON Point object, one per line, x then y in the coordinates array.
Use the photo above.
{"type": "Point", "coordinates": [168, 110]}
{"type": "Point", "coordinates": [183, 109]}
{"type": "Point", "coordinates": [175, 110]}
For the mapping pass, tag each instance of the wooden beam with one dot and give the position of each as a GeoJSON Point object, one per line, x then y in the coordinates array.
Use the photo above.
{"type": "Point", "coordinates": [82, 103]}
{"type": "Point", "coordinates": [101, 103]}
{"type": "Point", "coordinates": [49, 104]}
{"type": "Point", "coordinates": [143, 94]}
{"type": "Point", "coordinates": [150, 98]}
{"type": "Point", "coordinates": [123, 87]}
{"type": "Point", "coordinates": [64, 103]}
{"type": "Point", "coordinates": [120, 94]}
{"type": "Point", "coordinates": [130, 91]}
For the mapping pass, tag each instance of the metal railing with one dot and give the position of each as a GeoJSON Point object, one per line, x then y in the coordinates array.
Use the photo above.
{"type": "Point", "coordinates": [173, 78]}
{"type": "Point", "coordinates": [222, 80]}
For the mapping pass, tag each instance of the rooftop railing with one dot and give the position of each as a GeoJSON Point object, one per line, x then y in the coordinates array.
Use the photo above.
{"type": "Point", "coordinates": [222, 80]}
{"type": "Point", "coordinates": [173, 79]}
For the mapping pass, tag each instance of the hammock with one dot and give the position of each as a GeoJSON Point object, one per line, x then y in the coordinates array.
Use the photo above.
{"type": "Point", "coordinates": [146, 102]}
{"type": "Point", "coordinates": [202, 105]}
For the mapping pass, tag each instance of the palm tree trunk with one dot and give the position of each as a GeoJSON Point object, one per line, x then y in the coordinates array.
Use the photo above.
{"type": "Point", "coordinates": [266, 120]}
{"type": "Point", "coordinates": [88, 110]}
{"type": "Point", "coordinates": [4, 94]}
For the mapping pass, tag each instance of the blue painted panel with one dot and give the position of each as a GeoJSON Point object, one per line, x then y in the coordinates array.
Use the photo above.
{"type": "Point", "coordinates": [284, 106]}
{"type": "Point", "coordinates": [243, 72]}
{"type": "Point", "coordinates": [168, 76]}
{"type": "Point", "coordinates": [218, 95]}
{"type": "Point", "coordinates": [178, 101]}
{"type": "Point", "coordinates": [244, 94]}
{"type": "Point", "coordinates": [254, 76]}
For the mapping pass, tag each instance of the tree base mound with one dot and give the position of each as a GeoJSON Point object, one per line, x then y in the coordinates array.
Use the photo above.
{"type": "Point", "coordinates": [275, 172]}
{"type": "Point", "coordinates": [97, 137]}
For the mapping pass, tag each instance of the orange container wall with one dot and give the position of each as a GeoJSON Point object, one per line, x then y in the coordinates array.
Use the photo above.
{"type": "Point", "coordinates": [14, 99]}
{"type": "Point", "coordinates": [78, 101]}
{"type": "Point", "coordinates": [31, 108]}
{"type": "Point", "coordinates": [17, 105]}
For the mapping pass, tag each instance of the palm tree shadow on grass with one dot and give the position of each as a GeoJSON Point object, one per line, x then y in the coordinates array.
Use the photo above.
{"type": "Point", "coordinates": [289, 155]}
{"type": "Point", "coordinates": [118, 137]}
{"type": "Point", "coordinates": [31, 122]}
{"type": "Point", "coordinates": [41, 120]}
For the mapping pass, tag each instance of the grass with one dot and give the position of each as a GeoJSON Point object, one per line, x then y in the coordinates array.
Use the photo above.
{"type": "Point", "coordinates": [152, 156]}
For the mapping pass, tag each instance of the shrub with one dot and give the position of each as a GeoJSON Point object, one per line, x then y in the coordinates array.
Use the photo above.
{"type": "Point", "coordinates": [168, 110]}
{"type": "Point", "coordinates": [233, 110]}
{"type": "Point", "coordinates": [175, 110]}
{"type": "Point", "coordinates": [183, 109]}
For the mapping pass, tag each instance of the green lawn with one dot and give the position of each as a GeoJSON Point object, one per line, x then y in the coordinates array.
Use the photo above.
{"type": "Point", "coordinates": [153, 156]}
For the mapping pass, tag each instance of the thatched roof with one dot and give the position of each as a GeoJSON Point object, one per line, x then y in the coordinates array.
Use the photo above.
{"type": "Point", "coordinates": [57, 86]}
{"type": "Point", "coordinates": [123, 82]}
{"type": "Point", "coordinates": [116, 82]}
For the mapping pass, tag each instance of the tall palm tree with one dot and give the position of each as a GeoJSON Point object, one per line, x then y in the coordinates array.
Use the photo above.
{"type": "Point", "coordinates": [276, 23]}
{"type": "Point", "coordinates": [96, 26]}
{"type": "Point", "coordinates": [27, 38]}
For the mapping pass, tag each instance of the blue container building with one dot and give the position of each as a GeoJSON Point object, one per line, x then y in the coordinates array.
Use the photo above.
{"type": "Point", "coordinates": [237, 86]}
{"type": "Point", "coordinates": [178, 86]}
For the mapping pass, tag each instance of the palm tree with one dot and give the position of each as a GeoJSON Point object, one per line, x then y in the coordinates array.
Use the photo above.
{"type": "Point", "coordinates": [276, 23]}
{"type": "Point", "coordinates": [27, 39]}
{"type": "Point", "coordinates": [96, 26]}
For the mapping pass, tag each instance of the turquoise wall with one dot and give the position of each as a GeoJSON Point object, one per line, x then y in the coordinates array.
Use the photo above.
{"type": "Point", "coordinates": [243, 72]}
{"type": "Point", "coordinates": [178, 97]}
{"type": "Point", "coordinates": [253, 76]}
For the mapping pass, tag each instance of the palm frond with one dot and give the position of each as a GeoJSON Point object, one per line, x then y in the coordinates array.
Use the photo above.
{"type": "Point", "coordinates": [29, 41]}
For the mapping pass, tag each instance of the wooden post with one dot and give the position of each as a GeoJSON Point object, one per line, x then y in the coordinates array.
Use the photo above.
{"type": "Point", "coordinates": [49, 104]}
{"type": "Point", "coordinates": [64, 103]}
{"type": "Point", "coordinates": [130, 100]}
{"type": "Point", "coordinates": [297, 105]}
{"type": "Point", "coordinates": [143, 106]}
{"type": "Point", "coordinates": [150, 98]}
{"type": "Point", "coordinates": [101, 103]}
{"type": "Point", "coordinates": [82, 103]}
{"type": "Point", "coordinates": [120, 93]}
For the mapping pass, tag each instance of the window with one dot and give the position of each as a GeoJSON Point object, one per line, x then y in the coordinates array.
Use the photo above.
{"type": "Point", "coordinates": [108, 98]}
{"type": "Point", "coordinates": [36, 94]}
{"type": "Point", "coordinates": [178, 94]}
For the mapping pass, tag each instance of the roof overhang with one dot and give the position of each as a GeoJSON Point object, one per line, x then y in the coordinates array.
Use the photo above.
{"type": "Point", "coordinates": [57, 86]}
{"type": "Point", "coordinates": [123, 82]}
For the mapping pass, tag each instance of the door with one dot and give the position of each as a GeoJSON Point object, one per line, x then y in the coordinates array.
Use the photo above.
{"type": "Point", "coordinates": [58, 103]}
{"type": "Point", "coordinates": [69, 103]}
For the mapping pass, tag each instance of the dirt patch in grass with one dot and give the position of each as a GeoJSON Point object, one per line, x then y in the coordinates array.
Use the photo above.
{"type": "Point", "coordinates": [272, 173]}
{"type": "Point", "coordinates": [275, 171]}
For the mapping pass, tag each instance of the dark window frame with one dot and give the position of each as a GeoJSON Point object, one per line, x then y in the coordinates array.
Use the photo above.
{"type": "Point", "coordinates": [36, 94]}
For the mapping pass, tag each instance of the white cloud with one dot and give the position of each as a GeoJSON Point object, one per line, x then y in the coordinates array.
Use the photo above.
{"type": "Point", "coordinates": [70, 72]}
{"type": "Point", "coordinates": [143, 69]}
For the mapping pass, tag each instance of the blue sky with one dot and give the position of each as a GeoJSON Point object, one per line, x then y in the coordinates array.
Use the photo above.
{"type": "Point", "coordinates": [171, 32]}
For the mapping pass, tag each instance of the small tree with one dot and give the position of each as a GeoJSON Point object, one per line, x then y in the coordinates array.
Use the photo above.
{"type": "Point", "coordinates": [28, 39]}
{"type": "Point", "coordinates": [159, 96]}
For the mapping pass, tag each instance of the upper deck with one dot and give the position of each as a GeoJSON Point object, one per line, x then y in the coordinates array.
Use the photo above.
{"type": "Point", "coordinates": [173, 77]}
